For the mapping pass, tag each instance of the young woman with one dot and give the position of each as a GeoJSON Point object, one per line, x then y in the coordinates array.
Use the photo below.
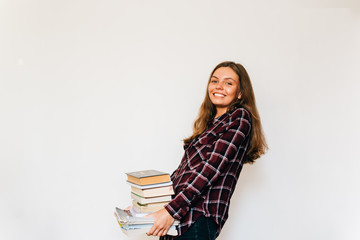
{"type": "Point", "coordinates": [226, 135]}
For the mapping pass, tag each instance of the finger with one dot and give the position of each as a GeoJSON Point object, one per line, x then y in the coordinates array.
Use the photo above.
{"type": "Point", "coordinates": [164, 232]}
{"type": "Point", "coordinates": [151, 231]}
{"type": "Point", "coordinates": [159, 234]}
{"type": "Point", "coordinates": [156, 232]}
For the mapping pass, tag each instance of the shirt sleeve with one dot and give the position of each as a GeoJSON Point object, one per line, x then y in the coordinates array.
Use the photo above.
{"type": "Point", "coordinates": [213, 163]}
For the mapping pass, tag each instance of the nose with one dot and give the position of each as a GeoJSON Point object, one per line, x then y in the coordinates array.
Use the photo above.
{"type": "Point", "coordinates": [219, 85]}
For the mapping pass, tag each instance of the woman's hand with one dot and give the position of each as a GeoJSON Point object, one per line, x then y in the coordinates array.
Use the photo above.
{"type": "Point", "coordinates": [163, 221]}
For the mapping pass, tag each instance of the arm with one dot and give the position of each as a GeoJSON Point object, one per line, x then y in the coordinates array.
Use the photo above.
{"type": "Point", "coordinates": [214, 162]}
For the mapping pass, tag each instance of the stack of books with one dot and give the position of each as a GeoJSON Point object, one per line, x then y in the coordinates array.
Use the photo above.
{"type": "Point", "coordinates": [151, 190]}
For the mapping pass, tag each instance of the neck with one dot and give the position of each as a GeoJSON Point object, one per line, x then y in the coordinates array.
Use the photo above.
{"type": "Point", "coordinates": [220, 111]}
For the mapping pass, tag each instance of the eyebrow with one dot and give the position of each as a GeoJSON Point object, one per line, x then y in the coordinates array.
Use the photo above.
{"type": "Point", "coordinates": [224, 78]}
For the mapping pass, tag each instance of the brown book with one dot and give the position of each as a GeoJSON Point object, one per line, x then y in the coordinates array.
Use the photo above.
{"type": "Point", "coordinates": [148, 177]}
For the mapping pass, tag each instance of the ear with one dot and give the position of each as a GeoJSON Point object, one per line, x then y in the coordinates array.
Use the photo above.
{"type": "Point", "coordinates": [239, 96]}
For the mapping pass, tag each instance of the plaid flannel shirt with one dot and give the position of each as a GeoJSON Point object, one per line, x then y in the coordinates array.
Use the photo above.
{"type": "Point", "coordinates": [206, 177]}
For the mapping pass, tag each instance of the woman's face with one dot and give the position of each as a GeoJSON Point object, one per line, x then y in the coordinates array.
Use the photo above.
{"type": "Point", "coordinates": [223, 88]}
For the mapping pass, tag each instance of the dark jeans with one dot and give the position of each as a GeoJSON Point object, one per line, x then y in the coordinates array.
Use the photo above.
{"type": "Point", "coordinates": [203, 229]}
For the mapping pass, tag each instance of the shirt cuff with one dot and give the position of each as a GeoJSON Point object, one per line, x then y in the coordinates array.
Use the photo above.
{"type": "Point", "coordinates": [176, 209]}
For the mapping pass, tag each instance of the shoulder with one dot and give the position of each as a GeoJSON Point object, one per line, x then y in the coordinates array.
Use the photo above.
{"type": "Point", "coordinates": [240, 120]}
{"type": "Point", "coordinates": [239, 113]}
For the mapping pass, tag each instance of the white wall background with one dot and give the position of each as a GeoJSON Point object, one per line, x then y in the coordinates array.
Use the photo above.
{"type": "Point", "coordinates": [90, 90]}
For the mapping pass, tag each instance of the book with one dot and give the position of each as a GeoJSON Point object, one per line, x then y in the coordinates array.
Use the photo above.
{"type": "Point", "coordinates": [153, 192]}
{"type": "Point", "coordinates": [150, 185]}
{"type": "Point", "coordinates": [147, 200]}
{"type": "Point", "coordinates": [135, 213]}
{"type": "Point", "coordinates": [124, 217]}
{"type": "Point", "coordinates": [131, 225]}
{"type": "Point", "coordinates": [148, 177]}
{"type": "Point", "coordinates": [136, 232]}
{"type": "Point", "coordinates": [148, 208]}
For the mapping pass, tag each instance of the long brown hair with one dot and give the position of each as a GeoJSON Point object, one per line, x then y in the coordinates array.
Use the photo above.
{"type": "Point", "coordinates": [207, 113]}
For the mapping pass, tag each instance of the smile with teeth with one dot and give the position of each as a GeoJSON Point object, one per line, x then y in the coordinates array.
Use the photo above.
{"type": "Point", "coordinates": [218, 95]}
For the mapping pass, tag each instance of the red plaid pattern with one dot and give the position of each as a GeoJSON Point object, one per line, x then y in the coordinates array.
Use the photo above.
{"type": "Point", "coordinates": [209, 170]}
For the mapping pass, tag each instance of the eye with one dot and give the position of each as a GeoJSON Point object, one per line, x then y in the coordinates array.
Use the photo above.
{"type": "Point", "coordinates": [213, 81]}
{"type": "Point", "coordinates": [229, 83]}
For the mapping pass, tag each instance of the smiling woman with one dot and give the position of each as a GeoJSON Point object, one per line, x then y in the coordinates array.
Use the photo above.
{"type": "Point", "coordinates": [227, 134]}
{"type": "Point", "coordinates": [224, 88]}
